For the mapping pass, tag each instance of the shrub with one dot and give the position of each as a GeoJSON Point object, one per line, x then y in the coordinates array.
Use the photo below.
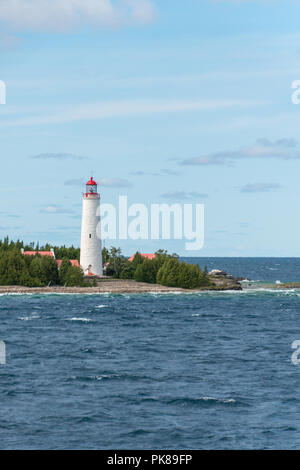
{"type": "Point", "coordinates": [74, 277]}
{"type": "Point", "coordinates": [146, 272]}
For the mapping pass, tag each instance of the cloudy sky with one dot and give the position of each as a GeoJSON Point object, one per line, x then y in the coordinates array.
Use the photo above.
{"type": "Point", "coordinates": [162, 101]}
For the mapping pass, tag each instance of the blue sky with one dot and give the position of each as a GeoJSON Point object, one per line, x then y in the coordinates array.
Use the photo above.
{"type": "Point", "coordinates": [163, 101]}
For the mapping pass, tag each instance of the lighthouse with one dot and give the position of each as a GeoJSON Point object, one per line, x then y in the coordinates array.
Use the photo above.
{"type": "Point", "coordinates": [90, 249]}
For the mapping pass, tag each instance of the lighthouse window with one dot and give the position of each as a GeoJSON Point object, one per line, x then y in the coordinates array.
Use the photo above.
{"type": "Point", "coordinates": [90, 235]}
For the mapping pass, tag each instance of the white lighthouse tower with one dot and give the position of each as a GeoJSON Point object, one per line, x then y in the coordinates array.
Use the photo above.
{"type": "Point", "coordinates": [90, 250]}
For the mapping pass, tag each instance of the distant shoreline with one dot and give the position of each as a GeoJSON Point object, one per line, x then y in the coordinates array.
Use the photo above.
{"type": "Point", "coordinates": [117, 286]}
{"type": "Point", "coordinates": [114, 286]}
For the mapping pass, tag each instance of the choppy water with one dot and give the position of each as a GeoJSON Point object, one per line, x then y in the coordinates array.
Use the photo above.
{"type": "Point", "coordinates": [178, 371]}
{"type": "Point", "coordinates": [257, 269]}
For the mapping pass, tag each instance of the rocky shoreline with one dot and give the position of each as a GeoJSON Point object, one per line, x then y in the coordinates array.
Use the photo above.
{"type": "Point", "coordinates": [221, 280]}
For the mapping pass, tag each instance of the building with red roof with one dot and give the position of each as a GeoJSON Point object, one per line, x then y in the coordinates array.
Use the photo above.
{"type": "Point", "coordinates": [51, 254]}
{"type": "Point", "coordinates": [74, 262]}
{"type": "Point", "coordinates": [41, 253]}
{"type": "Point", "coordinates": [144, 255]}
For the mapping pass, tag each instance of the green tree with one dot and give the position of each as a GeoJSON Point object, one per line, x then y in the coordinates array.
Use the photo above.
{"type": "Point", "coordinates": [168, 273]}
{"type": "Point", "coordinates": [74, 277]}
{"type": "Point", "coordinates": [146, 272]}
{"type": "Point", "coordinates": [116, 262]}
{"type": "Point", "coordinates": [105, 255]}
{"type": "Point", "coordinates": [128, 270]}
{"type": "Point", "coordinates": [45, 269]}
{"type": "Point", "coordinates": [64, 266]}
{"type": "Point", "coordinates": [137, 260]}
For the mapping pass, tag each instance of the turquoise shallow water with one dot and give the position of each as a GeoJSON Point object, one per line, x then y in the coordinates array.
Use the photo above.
{"type": "Point", "coordinates": [179, 371]}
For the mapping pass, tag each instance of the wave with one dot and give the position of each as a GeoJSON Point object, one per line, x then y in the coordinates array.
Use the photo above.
{"type": "Point", "coordinates": [189, 401]}
{"type": "Point", "coordinates": [32, 317]}
{"type": "Point", "coordinates": [196, 401]}
{"type": "Point", "coordinates": [253, 289]}
{"type": "Point", "coordinates": [83, 319]}
{"type": "Point", "coordinates": [16, 293]}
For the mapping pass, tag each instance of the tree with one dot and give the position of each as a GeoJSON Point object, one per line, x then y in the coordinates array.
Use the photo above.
{"type": "Point", "coordinates": [50, 268]}
{"type": "Point", "coordinates": [45, 269]}
{"type": "Point", "coordinates": [64, 266]}
{"type": "Point", "coordinates": [128, 270]}
{"type": "Point", "coordinates": [116, 262]}
{"type": "Point", "coordinates": [28, 281]}
{"type": "Point", "coordinates": [74, 277]}
{"type": "Point", "coordinates": [39, 271]}
{"type": "Point", "coordinates": [168, 273]}
{"type": "Point", "coordinates": [137, 260]}
{"type": "Point", "coordinates": [146, 272]}
{"type": "Point", "coordinates": [65, 252]}
{"type": "Point", "coordinates": [174, 273]}
{"type": "Point", "coordinates": [105, 255]}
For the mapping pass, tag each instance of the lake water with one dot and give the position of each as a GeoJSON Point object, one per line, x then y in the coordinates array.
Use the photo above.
{"type": "Point", "coordinates": [178, 371]}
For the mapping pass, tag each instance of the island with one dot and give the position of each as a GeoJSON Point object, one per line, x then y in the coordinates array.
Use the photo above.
{"type": "Point", "coordinates": [35, 269]}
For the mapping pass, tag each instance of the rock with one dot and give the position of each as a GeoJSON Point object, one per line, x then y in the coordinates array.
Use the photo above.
{"type": "Point", "coordinates": [223, 280]}
{"type": "Point", "coordinates": [217, 272]}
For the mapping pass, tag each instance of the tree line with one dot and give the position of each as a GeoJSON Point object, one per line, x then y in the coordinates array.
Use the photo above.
{"type": "Point", "coordinates": [37, 271]}
{"type": "Point", "coordinates": [164, 269]}
{"type": "Point", "coordinates": [41, 271]}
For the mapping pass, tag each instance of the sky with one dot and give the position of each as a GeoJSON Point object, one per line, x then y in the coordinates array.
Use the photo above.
{"type": "Point", "coordinates": [163, 101]}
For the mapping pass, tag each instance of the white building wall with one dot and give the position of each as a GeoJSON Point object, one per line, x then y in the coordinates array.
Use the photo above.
{"type": "Point", "coordinates": [90, 249]}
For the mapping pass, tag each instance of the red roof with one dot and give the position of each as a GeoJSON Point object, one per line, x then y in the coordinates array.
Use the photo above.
{"type": "Point", "coordinates": [41, 253]}
{"type": "Point", "coordinates": [91, 182]}
{"type": "Point", "coordinates": [144, 255]}
{"type": "Point", "coordinates": [74, 262]}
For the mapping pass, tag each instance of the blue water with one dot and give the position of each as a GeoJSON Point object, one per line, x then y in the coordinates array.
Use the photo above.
{"type": "Point", "coordinates": [178, 371]}
{"type": "Point", "coordinates": [257, 269]}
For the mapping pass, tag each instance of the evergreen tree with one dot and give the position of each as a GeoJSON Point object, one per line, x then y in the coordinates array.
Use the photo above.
{"type": "Point", "coordinates": [168, 273]}
{"type": "Point", "coordinates": [137, 260]}
{"type": "Point", "coordinates": [65, 265]}
{"type": "Point", "coordinates": [146, 272]}
{"type": "Point", "coordinates": [105, 255]}
{"type": "Point", "coordinates": [116, 262]}
{"type": "Point", "coordinates": [38, 271]}
{"type": "Point", "coordinates": [74, 277]}
{"type": "Point", "coordinates": [127, 270]}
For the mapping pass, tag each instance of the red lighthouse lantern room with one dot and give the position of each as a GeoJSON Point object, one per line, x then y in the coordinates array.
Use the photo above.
{"type": "Point", "coordinates": [91, 188]}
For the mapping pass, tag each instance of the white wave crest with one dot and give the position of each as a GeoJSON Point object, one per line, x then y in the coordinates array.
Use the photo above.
{"type": "Point", "coordinates": [83, 319]}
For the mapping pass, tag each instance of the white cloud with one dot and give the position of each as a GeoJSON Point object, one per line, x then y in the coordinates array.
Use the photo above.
{"type": "Point", "coordinates": [182, 195]}
{"type": "Point", "coordinates": [142, 11]}
{"type": "Point", "coordinates": [114, 183]}
{"type": "Point", "coordinates": [75, 182]}
{"type": "Point", "coordinates": [53, 209]}
{"type": "Point", "coordinates": [283, 149]}
{"type": "Point", "coordinates": [118, 109]}
{"type": "Point", "coordinates": [260, 187]}
{"type": "Point", "coordinates": [58, 156]}
{"type": "Point", "coordinates": [102, 182]}
{"type": "Point", "coordinates": [163, 172]}
{"type": "Point", "coordinates": [67, 15]}
{"type": "Point", "coordinates": [50, 209]}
